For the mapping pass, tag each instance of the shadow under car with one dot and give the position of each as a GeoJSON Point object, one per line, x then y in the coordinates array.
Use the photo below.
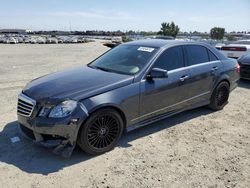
{"type": "Point", "coordinates": [33, 159]}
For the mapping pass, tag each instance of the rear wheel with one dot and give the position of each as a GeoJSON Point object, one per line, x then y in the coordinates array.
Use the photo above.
{"type": "Point", "coordinates": [101, 132]}
{"type": "Point", "coordinates": [220, 96]}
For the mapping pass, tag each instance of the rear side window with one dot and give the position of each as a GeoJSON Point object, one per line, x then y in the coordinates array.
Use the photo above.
{"type": "Point", "coordinates": [196, 54]}
{"type": "Point", "coordinates": [171, 59]}
{"type": "Point", "coordinates": [212, 57]}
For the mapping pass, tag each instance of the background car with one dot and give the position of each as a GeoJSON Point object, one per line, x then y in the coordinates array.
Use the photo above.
{"type": "Point", "coordinates": [236, 49]}
{"type": "Point", "coordinates": [218, 46]}
{"type": "Point", "coordinates": [41, 40]}
{"type": "Point", "coordinates": [244, 62]}
{"type": "Point", "coordinates": [11, 40]}
{"type": "Point", "coordinates": [164, 37]}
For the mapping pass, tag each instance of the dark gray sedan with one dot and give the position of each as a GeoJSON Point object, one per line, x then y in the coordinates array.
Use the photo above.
{"type": "Point", "coordinates": [130, 86]}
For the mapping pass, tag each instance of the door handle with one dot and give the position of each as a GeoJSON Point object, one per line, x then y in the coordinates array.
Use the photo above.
{"type": "Point", "coordinates": [183, 78]}
{"type": "Point", "coordinates": [214, 68]}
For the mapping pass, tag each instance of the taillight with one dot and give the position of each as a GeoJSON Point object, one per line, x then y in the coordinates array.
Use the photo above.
{"type": "Point", "coordinates": [234, 48]}
{"type": "Point", "coordinates": [238, 68]}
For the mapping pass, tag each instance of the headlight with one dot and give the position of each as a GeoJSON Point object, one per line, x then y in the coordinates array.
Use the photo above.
{"type": "Point", "coordinates": [63, 109]}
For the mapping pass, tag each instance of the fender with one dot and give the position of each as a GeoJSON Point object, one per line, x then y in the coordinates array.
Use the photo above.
{"type": "Point", "coordinates": [223, 77]}
{"type": "Point", "coordinates": [127, 103]}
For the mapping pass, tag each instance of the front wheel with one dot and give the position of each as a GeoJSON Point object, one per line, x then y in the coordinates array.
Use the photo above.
{"type": "Point", "coordinates": [220, 96]}
{"type": "Point", "coordinates": [101, 132]}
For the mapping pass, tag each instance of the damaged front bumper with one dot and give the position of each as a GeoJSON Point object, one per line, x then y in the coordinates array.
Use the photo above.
{"type": "Point", "coordinates": [58, 133]}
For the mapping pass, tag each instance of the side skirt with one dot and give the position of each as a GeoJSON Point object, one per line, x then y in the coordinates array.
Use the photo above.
{"type": "Point", "coordinates": [163, 116]}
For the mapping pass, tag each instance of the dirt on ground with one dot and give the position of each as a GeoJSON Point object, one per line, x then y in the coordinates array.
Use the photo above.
{"type": "Point", "coordinates": [198, 148]}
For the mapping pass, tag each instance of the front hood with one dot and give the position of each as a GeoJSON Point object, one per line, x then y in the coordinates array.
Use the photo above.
{"type": "Point", "coordinates": [75, 84]}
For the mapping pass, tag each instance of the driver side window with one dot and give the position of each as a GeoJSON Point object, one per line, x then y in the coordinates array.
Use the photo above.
{"type": "Point", "coordinates": [170, 59]}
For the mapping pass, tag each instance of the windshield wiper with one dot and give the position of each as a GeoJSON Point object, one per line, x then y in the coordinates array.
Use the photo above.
{"type": "Point", "coordinates": [107, 70]}
{"type": "Point", "coordinates": [101, 68]}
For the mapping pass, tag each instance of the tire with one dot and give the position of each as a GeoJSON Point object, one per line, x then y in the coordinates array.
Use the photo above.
{"type": "Point", "coordinates": [220, 96]}
{"type": "Point", "coordinates": [101, 132]}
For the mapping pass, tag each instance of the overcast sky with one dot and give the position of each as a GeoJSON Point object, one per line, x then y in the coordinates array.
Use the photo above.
{"type": "Point", "coordinates": [190, 15]}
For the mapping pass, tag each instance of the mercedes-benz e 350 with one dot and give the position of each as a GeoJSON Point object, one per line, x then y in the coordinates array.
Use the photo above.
{"type": "Point", "coordinates": [130, 86]}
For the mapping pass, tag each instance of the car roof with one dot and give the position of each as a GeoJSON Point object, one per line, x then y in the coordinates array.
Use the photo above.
{"type": "Point", "coordinates": [161, 43]}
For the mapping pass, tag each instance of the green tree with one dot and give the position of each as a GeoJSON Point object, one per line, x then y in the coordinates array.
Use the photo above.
{"type": "Point", "coordinates": [217, 33]}
{"type": "Point", "coordinates": [169, 29]}
{"type": "Point", "coordinates": [126, 39]}
{"type": "Point", "coordinates": [231, 38]}
{"type": "Point", "coordinates": [53, 34]}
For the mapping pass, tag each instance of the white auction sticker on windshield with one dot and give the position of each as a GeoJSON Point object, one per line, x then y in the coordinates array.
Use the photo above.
{"type": "Point", "coordinates": [145, 49]}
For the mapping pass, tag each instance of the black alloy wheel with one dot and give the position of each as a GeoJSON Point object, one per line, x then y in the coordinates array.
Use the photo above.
{"type": "Point", "coordinates": [101, 132]}
{"type": "Point", "coordinates": [220, 96]}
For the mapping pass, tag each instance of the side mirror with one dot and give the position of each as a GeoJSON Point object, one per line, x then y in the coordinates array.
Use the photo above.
{"type": "Point", "coordinates": [157, 73]}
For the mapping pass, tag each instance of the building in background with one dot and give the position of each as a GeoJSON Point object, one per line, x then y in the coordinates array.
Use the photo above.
{"type": "Point", "coordinates": [15, 31]}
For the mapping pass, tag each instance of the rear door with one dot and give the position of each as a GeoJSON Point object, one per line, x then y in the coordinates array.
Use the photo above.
{"type": "Point", "coordinates": [204, 69]}
{"type": "Point", "coordinates": [165, 95]}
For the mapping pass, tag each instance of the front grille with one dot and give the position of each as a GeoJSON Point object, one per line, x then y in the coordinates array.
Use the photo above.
{"type": "Point", "coordinates": [245, 71]}
{"type": "Point", "coordinates": [25, 105]}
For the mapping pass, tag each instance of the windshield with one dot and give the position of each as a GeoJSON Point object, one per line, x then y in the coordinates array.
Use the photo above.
{"type": "Point", "coordinates": [124, 59]}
